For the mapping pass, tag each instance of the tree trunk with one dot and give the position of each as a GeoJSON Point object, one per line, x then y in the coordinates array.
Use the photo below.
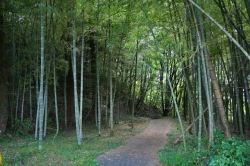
{"type": "Point", "coordinates": [98, 90]}
{"type": "Point", "coordinates": [200, 103]}
{"type": "Point", "coordinates": [55, 90]}
{"type": "Point", "coordinates": [218, 98]}
{"type": "Point", "coordinates": [135, 74]}
{"type": "Point", "coordinates": [3, 77]}
{"type": "Point", "coordinates": [198, 23]}
{"type": "Point", "coordinates": [81, 86]}
{"type": "Point", "coordinates": [111, 97]}
{"type": "Point", "coordinates": [75, 77]}
{"type": "Point", "coordinates": [93, 75]}
{"type": "Point", "coordinates": [163, 107]}
{"type": "Point", "coordinates": [41, 91]}
{"type": "Point", "coordinates": [70, 96]}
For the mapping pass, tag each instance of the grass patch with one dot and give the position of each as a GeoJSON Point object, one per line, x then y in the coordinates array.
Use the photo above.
{"type": "Point", "coordinates": [175, 155]}
{"type": "Point", "coordinates": [64, 150]}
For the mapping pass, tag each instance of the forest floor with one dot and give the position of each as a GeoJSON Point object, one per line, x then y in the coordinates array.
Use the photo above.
{"type": "Point", "coordinates": [137, 146]}
{"type": "Point", "coordinates": [140, 150]}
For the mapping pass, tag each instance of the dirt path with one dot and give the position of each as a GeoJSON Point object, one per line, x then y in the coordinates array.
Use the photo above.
{"type": "Point", "coordinates": [140, 150]}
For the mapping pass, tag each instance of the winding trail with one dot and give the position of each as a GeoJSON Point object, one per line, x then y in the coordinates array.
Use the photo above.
{"type": "Point", "coordinates": [140, 150]}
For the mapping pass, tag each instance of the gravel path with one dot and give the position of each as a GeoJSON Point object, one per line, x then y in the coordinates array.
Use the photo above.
{"type": "Point", "coordinates": [140, 150]}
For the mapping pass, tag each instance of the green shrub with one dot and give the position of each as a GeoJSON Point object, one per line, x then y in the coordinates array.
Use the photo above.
{"type": "Point", "coordinates": [21, 128]}
{"type": "Point", "coordinates": [223, 152]}
{"type": "Point", "coordinates": [230, 151]}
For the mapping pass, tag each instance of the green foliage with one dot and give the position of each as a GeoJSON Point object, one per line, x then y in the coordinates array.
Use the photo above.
{"type": "Point", "coordinates": [224, 152]}
{"type": "Point", "coordinates": [62, 65]}
{"type": "Point", "coordinates": [231, 151]}
{"type": "Point", "coordinates": [174, 158]}
{"type": "Point", "coordinates": [21, 128]}
{"type": "Point", "coordinates": [175, 155]}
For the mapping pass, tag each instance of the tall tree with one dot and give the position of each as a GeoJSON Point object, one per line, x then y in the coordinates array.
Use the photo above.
{"type": "Point", "coordinates": [200, 103]}
{"type": "Point", "coordinates": [79, 141]}
{"type": "Point", "coordinates": [4, 72]}
{"type": "Point", "coordinates": [134, 84]}
{"type": "Point", "coordinates": [41, 91]}
{"type": "Point", "coordinates": [218, 98]}
{"type": "Point", "coordinates": [98, 76]}
{"type": "Point", "coordinates": [82, 72]}
{"type": "Point", "coordinates": [111, 97]}
{"type": "Point", "coordinates": [196, 17]}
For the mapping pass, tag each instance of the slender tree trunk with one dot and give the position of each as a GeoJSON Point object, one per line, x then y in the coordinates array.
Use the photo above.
{"type": "Point", "coordinates": [93, 75]}
{"type": "Point", "coordinates": [75, 77]}
{"type": "Point", "coordinates": [30, 98]}
{"type": "Point", "coordinates": [55, 92]}
{"type": "Point", "coordinates": [236, 89]}
{"type": "Point", "coordinates": [200, 103]}
{"type": "Point", "coordinates": [107, 100]}
{"type": "Point", "coordinates": [82, 77]}
{"type": "Point", "coordinates": [45, 98]}
{"type": "Point", "coordinates": [45, 106]}
{"type": "Point", "coordinates": [189, 94]}
{"type": "Point", "coordinates": [81, 86]}
{"type": "Point", "coordinates": [98, 89]}
{"type": "Point", "coordinates": [24, 87]}
{"type": "Point", "coordinates": [37, 97]}
{"type": "Point", "coordinates": [164, 109]}
{"type": "Point", "coordinates": [111, 97]}
{"type": "Point", "coordinates": [41, 93]}
{"type": "Point", "coordinates": [218, 97]}
{"type": "Point", "coordinates": [98, 74]}
{"type": "Point", "coordinates": [65, 102]}
{"type": "Point", "coordinates": [13, 56]}
{"type": "Point", "coordinates": [17, 98]}
{"type": "Point", "coordinates": [3, 74]}
{"type": "Point", "coordinates": [134, 86]}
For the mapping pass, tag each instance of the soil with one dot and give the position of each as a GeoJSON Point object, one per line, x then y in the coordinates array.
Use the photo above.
{"type": "Point", "coordinates": [140, 150]}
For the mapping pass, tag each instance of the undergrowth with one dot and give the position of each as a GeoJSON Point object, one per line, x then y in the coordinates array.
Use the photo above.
{"type": "Point", "coordinates": [20, 129]}
{"type": "Point", "coordinates": [223, 152]}
{"type": "Point", "coordinates": [64, 150]}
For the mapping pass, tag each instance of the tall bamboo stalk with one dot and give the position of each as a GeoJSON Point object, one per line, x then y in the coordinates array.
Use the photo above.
{"type": "Point", "coordinates": [24, 89]}
{"type": "Point", "coordinates": [236, 90]}
{"type": "Point", "coordinates": [41, 93]}
{"type": "Point", "coordinates": [55, 90]}
{"type": "Point", "coordinates": [202, 51]}
{"type": "Point", "coordinates": [98, 75]}
{"type": "Point", "coordinates": [222, 29]}
{"type": "Point", "coordinates": [200, 103]}
{"type": "Point", "coordinates": [81, 86]}
{"type": "Point", "coordinates": [65, 101]}
{"type": "Point", "coordinates": [111, 97]}
{"type": "Point", "coordinates": [45, 106]}
{"type": "Point", "coordinates": [75, 77]}
{"type": "Point", "coordinates": [134, 85]}
{"type": "Point", "coordinates": [30, 97]}
{"type": "Point", "coordinates": [37, 96]}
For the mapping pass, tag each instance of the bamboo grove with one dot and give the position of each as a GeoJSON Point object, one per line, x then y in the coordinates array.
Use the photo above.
{"type": "Point", "coordinates": [65, 62]}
